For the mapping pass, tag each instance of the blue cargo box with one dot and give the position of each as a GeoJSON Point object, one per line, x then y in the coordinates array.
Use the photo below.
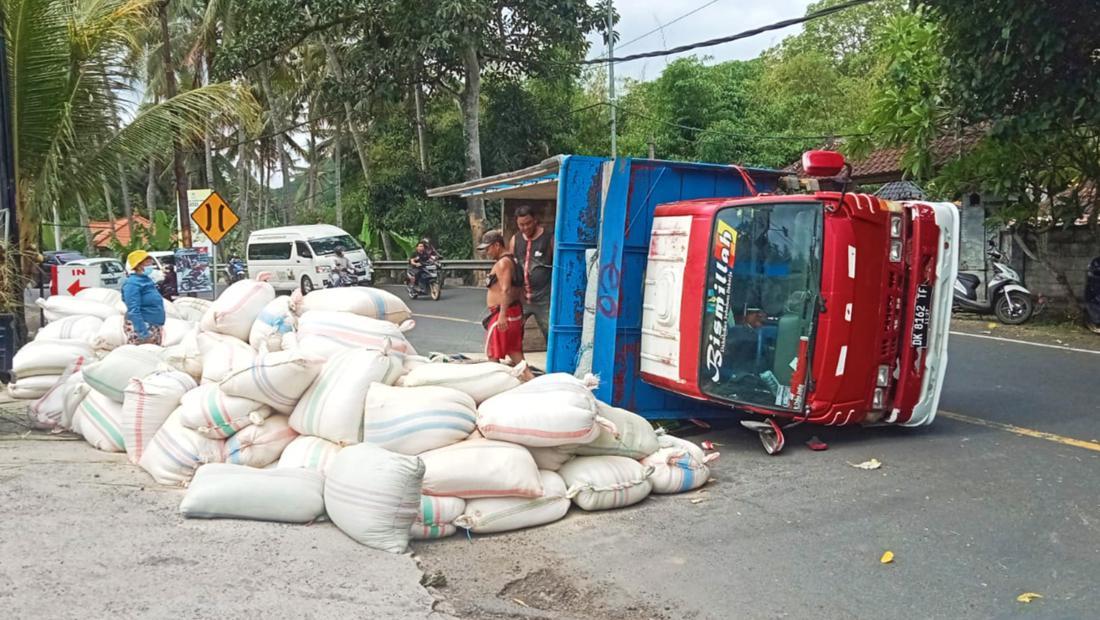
{"type": "Point", "coordinates": [609, 205]}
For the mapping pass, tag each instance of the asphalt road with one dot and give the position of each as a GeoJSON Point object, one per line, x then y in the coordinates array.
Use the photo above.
{"type": "Point", "coordinates": [999, 497]}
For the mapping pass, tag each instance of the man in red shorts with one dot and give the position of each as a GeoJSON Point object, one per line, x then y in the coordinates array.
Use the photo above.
{"type": "Point", "coordinates": [504, 325]}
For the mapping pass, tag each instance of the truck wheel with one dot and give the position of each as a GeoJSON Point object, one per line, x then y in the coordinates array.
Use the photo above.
{"type": "Point", "coordinates": [1021, 309]}
{"type": "Point", "coordinates": [307, 285]}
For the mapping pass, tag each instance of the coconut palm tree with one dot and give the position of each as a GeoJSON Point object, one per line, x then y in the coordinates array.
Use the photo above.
{"type": "Point", "coordinates": [68, 70]}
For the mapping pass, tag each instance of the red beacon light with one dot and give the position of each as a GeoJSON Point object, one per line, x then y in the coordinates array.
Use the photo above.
{"type": "Point", "coordinates": [822, 163]}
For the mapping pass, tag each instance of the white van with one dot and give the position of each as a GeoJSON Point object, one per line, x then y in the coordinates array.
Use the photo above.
{"type": "Point", "coordinates": [302, 256]}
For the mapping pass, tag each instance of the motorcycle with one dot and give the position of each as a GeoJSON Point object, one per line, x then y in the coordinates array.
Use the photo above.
{"type": "Point", "coordinates": [429, 283]}
{"type": "Point", "coordinates": [1092, 296]}
{"type": "Point", "coordinates": [235, 271]}
{"type": "Point", "coordinates": [1005, 296]}
{"type": "Point", "coordinates": [339, 279]}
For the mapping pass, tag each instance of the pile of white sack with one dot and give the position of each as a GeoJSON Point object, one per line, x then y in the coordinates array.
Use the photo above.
{"type": "Point", "coordinates": [296, 408]}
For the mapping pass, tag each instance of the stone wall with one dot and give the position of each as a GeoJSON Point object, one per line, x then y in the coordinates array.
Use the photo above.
{"type": "Point", "coordinates": [1069, 250]}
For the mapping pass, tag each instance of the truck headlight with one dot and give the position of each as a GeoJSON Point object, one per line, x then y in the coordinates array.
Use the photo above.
{"type": "Point", "coordinates": [895, 226]}
{"type": "Point", "coordinates": [878, 398]}
{"type": "Point", "coordinates": [895, 251]}
{"type": "Point", "coordinates": [883, 377]}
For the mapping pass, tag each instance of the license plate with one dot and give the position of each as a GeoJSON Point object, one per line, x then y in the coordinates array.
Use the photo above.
{"type": "Point", "coordinates": [922, 316]}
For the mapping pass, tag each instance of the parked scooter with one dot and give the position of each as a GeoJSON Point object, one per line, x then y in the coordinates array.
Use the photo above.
{"type": "Point", "coordinates": [1005, 296]}
{"type": "Point", "coordinates": [430, 283]}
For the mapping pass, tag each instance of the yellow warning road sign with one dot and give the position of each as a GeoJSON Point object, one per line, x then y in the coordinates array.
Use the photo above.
{"type": "Point", "coordinates": [215, 217]}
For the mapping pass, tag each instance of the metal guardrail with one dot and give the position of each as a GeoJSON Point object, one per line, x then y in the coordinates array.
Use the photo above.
{"type": "Point", "coordinates": [448, 265]}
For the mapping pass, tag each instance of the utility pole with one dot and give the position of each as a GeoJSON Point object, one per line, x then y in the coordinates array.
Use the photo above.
{"type": "Point", "coordinates": [611, 72]}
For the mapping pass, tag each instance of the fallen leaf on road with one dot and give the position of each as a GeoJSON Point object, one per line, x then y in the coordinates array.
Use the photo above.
{"type": "Point", "coordinates": [1027, 597]}
{"type": "Point", "coordinates": [519, 602]}
{"type": "Point", "coordinates": [887, 558]}
{"type": "Point", "coordinates": [871, 464]}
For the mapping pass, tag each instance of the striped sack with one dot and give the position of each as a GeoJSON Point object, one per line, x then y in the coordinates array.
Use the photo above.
{"type": "Point", "coordinates": [277, 379]}
{"type": "Point", "coordinates": [224, 491]}
{"type": "Point", "coordinates": [552, 410]}
{"type": "Point", "coordinates": [502, 514]}
{"type": "Point", "coordinates": [634, 436]}
{"type": "Point", "coordinates": [260, 445]}
{"type": "Point", "coordinates": [309, 453]}
{"type": "Point", "coordinates": [176, 452]}
{"type": "Point", "coordinates": [192, 308]}
{"type": "Point", "coordinates": [271, 324]}
{"type": "Point", "coordinates": [481, 381]}
{"type": "Point", "coordinates": [436, 517]}
{"type": "Point", "coordinates": [411, 420]}
{"type": "Point", "coordinates": [373, 495]}
{"type": "Point", "coordinates": [332, 407]}
{"type": "Point", "coordinates": [234, 311]}
{"type": "Point", "coordinates": [212, 413]}
{"type": "Point", "coordinates": [185, 356]}
{"type": "Point", "coordinates": [147, 403]}
{"type": "Point", "coordinates": [604, 482]}
{"type": "Point", "coordinates": [481, 468]}
{"type": "Point", "coordinates": [112, 374]}
{"type": "Point", "coordinates": [221, 355]}
{"type": "Point", "coordinates": [48, 357]}
{"type": "Point", "coordinates": [325, 333]}
{"type": "Point", "coordinates": [99, 420]}
{"type": "Point", "coordinates": [48, 411]}
{"type": "Point", "coordinates": [111, 334]}
{"type": "Point", "coordinates": [679, 465]}
{"type": "Point", "coordinates": [84, 328]}
{"type": "Point", "coordinates": [365, 301]}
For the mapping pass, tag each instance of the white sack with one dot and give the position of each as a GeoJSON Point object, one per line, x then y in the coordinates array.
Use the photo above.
{"type": "Point", "coordinates": [324, 333]}
{"type": "Point", "coordinates": [171, 311]}
{"type": "Point", "coordinates": [481, 468]}
{"type": "Point", "coordinates": [99, 420]}
{"type": "Point", "coordinates": [176, 452]}
{"type": "Point", "coordinates": [111, 334]}
{"type": "Point", "coordinates": [60, 306]}
{"type": "Point", "coordinates": [309, 453]}
{"type": "Point", "coordinates": [107, 296]}
{"type": "Point", "coordinates": [224, 491]}
{"type": "Point", "coordinates": [502, 514]}
{"type": "Point", "coordinates": [411, 420]}
{"type": "Point", "coordinates": [147, 403]}
{"type": "Point", "coordinates": [49, 410]}
{"type": "Point", "coordinates": [234, 311]}
{"type": "Point", "coordinates": [212, 413]}
{"type": "Point", "coordinates": [436, 517]}
{"type": "Point", "coordinates": [481, 381]}
{"type": "Point", "coordinates": [110, 375]}
{"type": "Point", "coordinates": [84, 328]}
{"type": "Point", "coordinates": [551, 459]}
{"type": "Point", "coordinates": [332, 407]}
{"type": "Point", "coordinates": [364, 301]}
{"type": "Point", "coordinates": [634, 436]}
{"type": "Point", "coordinates": [191, 308]}
{"type": "Point", "coordinates": [373, 495]}
{"type": "Point", "coordinates": [604, 482]}
{"type": "Point", "coordinates": [73, 393]}
{"type": "Point", "coordinates": [49, 357]}
{"type": "Point", "coordinates": [552, 410]}
{"type": "Point", "coordinates": [260, 445]}
{"type": "Point", "coordinates": [32, 388]}
{"type": "Point", "coordinates": [678, 466]}
{"type": "Point", "coordinates": [174, 331]}
{"type": "Point", "coordinates": [271, 324]}
{"type": "Point", "coordinates": [185, 356]}
{"type": "Point", "coordinates": [277, 379]}
{"type": "Point", "coordinates": [221, 355]}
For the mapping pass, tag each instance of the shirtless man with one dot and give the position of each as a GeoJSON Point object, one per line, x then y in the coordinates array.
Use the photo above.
{"type": "Point", "coordinates": [504, 325]}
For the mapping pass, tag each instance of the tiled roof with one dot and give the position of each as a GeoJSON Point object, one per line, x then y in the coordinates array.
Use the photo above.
{"type": "Point", "coordinates": [884, 165]}
{"type": "Point", "coordinates": [101, 231]}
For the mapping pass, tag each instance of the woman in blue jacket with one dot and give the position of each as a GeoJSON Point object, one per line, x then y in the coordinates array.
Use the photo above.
{"type": "Point", "coordinates": [144, 304]}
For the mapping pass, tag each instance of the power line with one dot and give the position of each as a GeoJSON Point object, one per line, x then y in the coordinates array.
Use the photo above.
{"type": "Point", "coordinates": [794, 21]}
{"type": "Point", "coordinates": [661, 26]}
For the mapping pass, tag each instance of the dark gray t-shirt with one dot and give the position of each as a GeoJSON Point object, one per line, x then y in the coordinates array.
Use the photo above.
{"type": "Point", "coordinates": [537, 264]}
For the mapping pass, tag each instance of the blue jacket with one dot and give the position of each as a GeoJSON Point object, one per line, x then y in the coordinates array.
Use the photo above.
{"type": "Point", "coordinates": [144, 305]}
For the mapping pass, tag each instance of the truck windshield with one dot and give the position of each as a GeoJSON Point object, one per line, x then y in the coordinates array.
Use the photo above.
{"type": "Point", "coordinates": [763, 280]}
{"type": "Point", "coordinates": [328, 245]}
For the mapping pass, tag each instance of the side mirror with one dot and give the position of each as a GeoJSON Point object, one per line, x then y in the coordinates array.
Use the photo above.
{"type": "Point", "coordinates": [822, 163]}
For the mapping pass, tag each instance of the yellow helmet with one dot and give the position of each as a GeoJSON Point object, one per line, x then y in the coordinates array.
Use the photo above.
{"type": "Point", "coordinates": [136, 258]}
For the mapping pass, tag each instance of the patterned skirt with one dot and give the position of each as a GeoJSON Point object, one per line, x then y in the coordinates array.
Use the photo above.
{"type": "Point", "coordinates": [132, 337]}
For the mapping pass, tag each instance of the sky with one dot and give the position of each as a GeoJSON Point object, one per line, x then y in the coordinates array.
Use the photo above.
{"type": "Point", "coordinates": [715, 18]}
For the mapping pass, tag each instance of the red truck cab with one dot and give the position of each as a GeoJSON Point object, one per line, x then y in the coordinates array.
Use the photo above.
{"type": "Point", "coordinates": [827, 308]}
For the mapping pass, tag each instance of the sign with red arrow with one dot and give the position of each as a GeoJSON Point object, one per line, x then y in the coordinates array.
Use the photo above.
{"type": "Point", "coordinates": [71, 279]}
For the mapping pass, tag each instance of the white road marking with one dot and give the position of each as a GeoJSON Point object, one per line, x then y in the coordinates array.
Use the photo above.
{"type": "Point", "coordinates": [1034, 344]}
{"type": "Point", "coordinates": [445, 318]}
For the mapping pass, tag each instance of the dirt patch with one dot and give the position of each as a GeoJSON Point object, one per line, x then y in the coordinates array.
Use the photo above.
{"type": "Point", "coordinates": [1042, 332]}
{"type": "Point", "coordinates": [544, 589]}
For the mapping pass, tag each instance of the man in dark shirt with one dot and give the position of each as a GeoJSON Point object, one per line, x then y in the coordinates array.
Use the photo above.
{"type": "Point", "coordinates": [533, 248]}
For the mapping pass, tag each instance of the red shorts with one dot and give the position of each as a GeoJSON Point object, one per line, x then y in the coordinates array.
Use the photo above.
{"type": "Point", "coordinates": [499, 344]}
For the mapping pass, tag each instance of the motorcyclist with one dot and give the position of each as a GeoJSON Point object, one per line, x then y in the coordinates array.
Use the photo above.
{"type": "Point", "coordinates": [423, 256]}
{"type": "Point", "coordinates": [235, 268]}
